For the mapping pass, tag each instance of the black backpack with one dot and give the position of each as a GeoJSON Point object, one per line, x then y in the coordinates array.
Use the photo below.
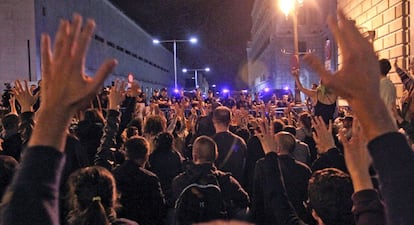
{"type": "Point", "coordinates": [200, 201]}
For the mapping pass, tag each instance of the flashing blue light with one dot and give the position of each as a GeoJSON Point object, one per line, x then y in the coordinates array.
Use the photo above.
{"type": "Point", "coordinates": [226, 91]}
{"type": "Point", "coordinates": [286, 88]}
{"type": "Point", "coordinates": [176, 90]}
{"type": "Point", "coordinates": [267, 89]}
{"type": "Point", "coordinates": [244, 91]}
{"type": "Point", "coordinates": [213, 85]}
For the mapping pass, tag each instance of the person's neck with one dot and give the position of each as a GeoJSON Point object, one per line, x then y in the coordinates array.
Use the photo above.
{"type": "Point", "coordinates": [221, 128]}
{"type": "Point", "coordinates": [139, 162]}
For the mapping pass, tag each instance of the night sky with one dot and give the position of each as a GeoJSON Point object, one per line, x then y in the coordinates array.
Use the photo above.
{"type": "Point", "coordinates": [221, 26]}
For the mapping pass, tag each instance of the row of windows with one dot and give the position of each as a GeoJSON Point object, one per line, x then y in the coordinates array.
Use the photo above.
{"type": "Point", "coordinates": [130, 53]}
{"type": "Point", "coordinates": [121, 49]}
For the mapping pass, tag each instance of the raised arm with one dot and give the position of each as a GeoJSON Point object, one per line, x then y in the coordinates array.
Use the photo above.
{"type": "Point", "coordinates": [367, 208]}
{"type": "Point", "coordinates": [104, 155]}
{"type": "Point", "coordinates": [66, 86]}
{"type": "Point", "coordinates": [406, 79]}
{"type": "Point", "coordinates": [33, 196]}
{"type": "Point", "coordinates": [357, 81]}
{"type": "Point", "coordinates": [309, 92]}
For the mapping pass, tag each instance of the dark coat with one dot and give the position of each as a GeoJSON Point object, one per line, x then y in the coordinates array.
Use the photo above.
{"type": "Point", "coordinates": [229, 142]}
{"type": "Point", "coordinates": [296, 178]}
{"type": "Point", "coordinates": [254, 153]}
{"type": "Point", "coordinates": [333, 158]}
{"type": "Point", "coordinates": [270, 203]}
{"type": "Point", "coordinates": [166, 165]}
{"type": "Point", "coordinates": [142, 199]}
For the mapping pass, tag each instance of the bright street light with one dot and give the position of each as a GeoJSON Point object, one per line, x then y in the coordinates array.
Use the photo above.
{"type": "Point", "coordinates": [191, 40]}
{"type": "Point", "coordinates": [286, 6]}
{"type": "Point", "coordinates": [207, 69]}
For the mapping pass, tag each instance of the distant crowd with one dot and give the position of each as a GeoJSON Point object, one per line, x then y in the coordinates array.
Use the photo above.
{"type": "Point", "coordinates": [74, 153]}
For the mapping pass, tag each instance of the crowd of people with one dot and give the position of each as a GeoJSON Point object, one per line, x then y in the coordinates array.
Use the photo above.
{"type": "Point", "coordinates": [87, 158]}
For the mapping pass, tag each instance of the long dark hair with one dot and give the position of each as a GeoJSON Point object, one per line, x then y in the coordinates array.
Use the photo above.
{"type": "Point", "coordinates": [92, 197]}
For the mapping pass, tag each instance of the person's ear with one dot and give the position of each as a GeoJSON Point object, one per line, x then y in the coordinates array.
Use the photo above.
{"type": "Point", "coordinates": [146, 157]}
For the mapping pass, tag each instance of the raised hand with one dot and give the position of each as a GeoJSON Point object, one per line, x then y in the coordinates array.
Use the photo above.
{"type": "Point", "coordinates": [295, 73]}
{"type": "Point", "coordinates": [358, 79]}
{"type": "Point", "coordinates": [116, 95]}
{"type": "Point", "coordinates": [24, 96]}
{"type": "Point", "coordinates": [65, 86]}
{"type": "Point", "coordinates": [357, 157]}
{"type": "Point", "coordinates": [267, 137]}
{"type": "Point", "coordinates": [396, 63]}
{"type": "Point", "coordinates": [12, 102]}
{"type": "Point", "coordinates": [322, 135]}
{"type": "Point", "coordinates": [65, 83]}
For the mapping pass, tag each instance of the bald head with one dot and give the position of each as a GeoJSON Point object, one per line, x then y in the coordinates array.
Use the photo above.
{"type": "Point", "coordinates": [285, 142]}
{"type": "Point", "coordinates": [204, 150]}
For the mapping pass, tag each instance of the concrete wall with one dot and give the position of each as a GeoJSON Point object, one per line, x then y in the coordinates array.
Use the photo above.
{"type": "Point", "coordinates": [17, 40]}
{"type": "Point", "coordinates": [115, 36]}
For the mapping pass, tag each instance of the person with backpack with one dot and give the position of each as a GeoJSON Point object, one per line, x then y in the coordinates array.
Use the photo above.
{"type": "Point", "coordinates": [204, 193]}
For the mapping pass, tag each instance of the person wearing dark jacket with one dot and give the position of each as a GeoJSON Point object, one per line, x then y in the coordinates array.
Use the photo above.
{"type": "Point", "coordinates": [105, 155]}
{"type": "Point", "coordinates": [142, 199]}
{"type": "Point", "coordinates": [12, 141]}
{"type": "Point", "coordinates": [270, 203]}
{"type": "Point", "coordinates": [295, 174]}
{"type": "Point", "coordinates": [166, 163]}
{"type": "Point", "coordinates": [332, 158]}
{"type": "Point", "coordinates": [254, 153]}
{"type": "Point", "coordinates": [8, 166]}
{"type": "Point", "coordinates": [89, 131]}
{"type": "Point", "coordinates": [204, 155]}
{"type": "Point", "coordinates": [231, 148]}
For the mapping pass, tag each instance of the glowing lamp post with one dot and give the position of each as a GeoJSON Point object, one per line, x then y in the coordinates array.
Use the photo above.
{"type": "Point", "coordinates": [288, 6]}
{"type": "Point", "coordinates": [196, 73]}
{"type": "Point", "coordinates": [191, 40]}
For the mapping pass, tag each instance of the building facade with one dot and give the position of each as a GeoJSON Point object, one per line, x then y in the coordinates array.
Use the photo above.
{"type": "Point", "coordinates": [271, 46]}
{"type": "Point", "coordinates": [390, 21]}
{"type": "Point", "coordinates": [116, 36]}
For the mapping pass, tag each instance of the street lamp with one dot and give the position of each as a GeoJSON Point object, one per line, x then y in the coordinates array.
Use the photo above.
{"type": "Point", "coordinates": [288, 6]}
{"type": "Point", "coordinates": [196, 73]}
{"type": "Point", "coordinates": [191, 40]}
